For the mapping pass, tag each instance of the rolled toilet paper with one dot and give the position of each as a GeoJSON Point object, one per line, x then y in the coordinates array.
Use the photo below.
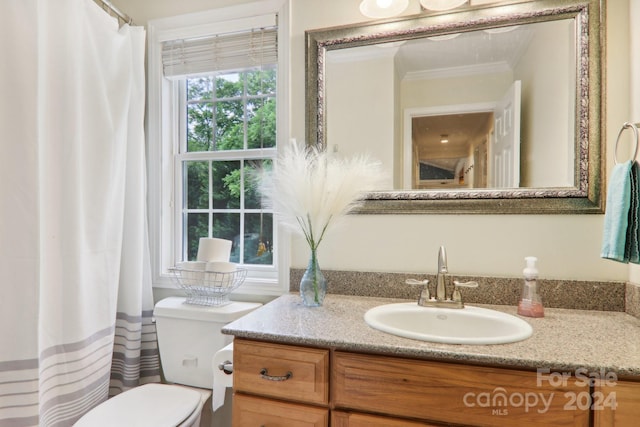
{"type": "Point", "coordinates": [216, 270]}
{"type": "Point", "coordinates": [221, 379]}
{"type": "Point", "coordinates": [192, 272]}
{"type": "Point", "coordinates": [191, 265]}
{"type": "Point", "coordinates": [221, 267]}
{"type": "Point", "coordinates": [213, 249]}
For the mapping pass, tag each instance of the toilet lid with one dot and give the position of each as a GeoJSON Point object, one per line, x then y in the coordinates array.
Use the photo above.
{"type": "Point", "coordinates": [150, 405]}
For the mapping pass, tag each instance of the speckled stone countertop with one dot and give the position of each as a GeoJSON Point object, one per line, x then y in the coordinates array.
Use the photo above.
{"type": "Point", "coordinates": [563, 340]}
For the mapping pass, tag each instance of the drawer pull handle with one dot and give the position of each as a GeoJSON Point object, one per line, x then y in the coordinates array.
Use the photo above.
{"type": "Point", "coordinates": [265, 375]}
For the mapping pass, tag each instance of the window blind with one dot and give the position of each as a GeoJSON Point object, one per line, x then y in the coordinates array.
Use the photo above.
{"type": "Point", "coordinates": [220, 52]}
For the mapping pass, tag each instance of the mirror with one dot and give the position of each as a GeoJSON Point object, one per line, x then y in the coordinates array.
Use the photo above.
{"type": "Point", "coordinates": [513, 89]}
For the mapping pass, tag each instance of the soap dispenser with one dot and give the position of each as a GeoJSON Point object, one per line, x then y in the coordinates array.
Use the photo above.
{"type": "Point", "coordinates": [531, 304]}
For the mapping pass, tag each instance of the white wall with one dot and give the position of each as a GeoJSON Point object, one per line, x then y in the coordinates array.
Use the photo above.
{"type": "Point", "coordinates": [361, 130]}
{"type": "Point", "coordinates": [479, 88]}
{"type": "Point", "coordinates": [143, 11]}
{"type": "Point", "coordinates": [634, 87]}
{"type": "Point", "coordinates": [568, 246]}
{"type": "Point", "coordinates": [540, 86]}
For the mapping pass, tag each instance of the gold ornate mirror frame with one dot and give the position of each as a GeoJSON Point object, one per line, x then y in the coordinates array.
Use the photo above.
{"type": "Point", "coordinates": [584, 197]}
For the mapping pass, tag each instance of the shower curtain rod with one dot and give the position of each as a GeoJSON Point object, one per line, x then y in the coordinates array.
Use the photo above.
{"type": "Point", "coordinates": [107, 4]}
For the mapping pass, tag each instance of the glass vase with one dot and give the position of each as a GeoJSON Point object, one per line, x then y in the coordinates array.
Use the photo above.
{"type": "Point", "coordinates": [313, 286]}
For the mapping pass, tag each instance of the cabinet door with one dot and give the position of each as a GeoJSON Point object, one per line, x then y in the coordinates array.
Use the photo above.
{"type": "Point", "coordinates": [282, 371]}
{"type": "Point", "coordinates": [256, 411]}
{"type": "Point", "coordinates": [616, 404]}
{"type": "Point", "coordinates": [346, 419]}
{"type": "Point", "coordinates": [447, 392]}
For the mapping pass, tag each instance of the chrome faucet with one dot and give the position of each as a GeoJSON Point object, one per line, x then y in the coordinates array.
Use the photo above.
{"type": "Point", "coordinates": [443, 275]}
{"type": "Point", "coordinates": [443, 280]}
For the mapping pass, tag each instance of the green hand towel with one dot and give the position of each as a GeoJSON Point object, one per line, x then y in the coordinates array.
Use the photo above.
{"type": "Point", "coordinates": [618, 213]}
{"type": "Point", "coordinates": [632, 248]}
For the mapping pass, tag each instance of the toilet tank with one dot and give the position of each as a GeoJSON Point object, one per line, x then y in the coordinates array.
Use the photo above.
{"type": "Point", "coordinates": [189, 335]}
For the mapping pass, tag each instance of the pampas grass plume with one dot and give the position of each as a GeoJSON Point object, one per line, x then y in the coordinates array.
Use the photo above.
{"type": "Point", "coordinates": [310, 190]}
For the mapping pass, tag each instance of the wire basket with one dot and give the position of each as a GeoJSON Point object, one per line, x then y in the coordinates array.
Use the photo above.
{"type": "Point", "coordinates": [204, 287]}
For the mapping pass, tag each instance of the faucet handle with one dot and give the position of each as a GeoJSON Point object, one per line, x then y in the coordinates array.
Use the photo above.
{"type": "Point", "coordinates": [472, 284]}
{"type": "Point", "coordinates": [424, 294]}
{"type": "Point", "coordinates": [414, 282]}
{"type": "Point", "coordinates": [456, 292]}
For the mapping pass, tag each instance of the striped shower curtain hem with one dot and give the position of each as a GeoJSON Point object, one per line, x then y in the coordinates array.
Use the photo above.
{"type": "Point", "coordinates": [135, 352]}
{"type": "Point", "coordinates": [56, 389]}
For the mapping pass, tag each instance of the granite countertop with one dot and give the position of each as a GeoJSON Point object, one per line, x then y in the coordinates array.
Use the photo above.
{"type": "Point", "coordinates": [596, 341]}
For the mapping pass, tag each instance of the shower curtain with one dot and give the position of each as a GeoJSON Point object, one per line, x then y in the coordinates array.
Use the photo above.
{"type": "Point", "coordinates": [75, 293]}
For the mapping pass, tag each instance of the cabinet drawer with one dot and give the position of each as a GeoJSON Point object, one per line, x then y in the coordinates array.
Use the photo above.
{"type": "Point", "coordinates": [346, 419]}
{"type": "Point", "coordinates": [616, 404]}
{"type": "Point", "coordinates": [453, 393]}
{"type": "Point", "coordinates": [282, 371]}
{"type": "Point", "coordinates": [256, 411]}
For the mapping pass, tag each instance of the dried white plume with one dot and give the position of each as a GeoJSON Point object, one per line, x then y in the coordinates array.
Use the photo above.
{"type": "Point", "coordinates": [310, 189]}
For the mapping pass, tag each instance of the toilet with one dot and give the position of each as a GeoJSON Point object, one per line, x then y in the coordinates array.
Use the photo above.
{"type": "Point", "coordinates": [188, 338]}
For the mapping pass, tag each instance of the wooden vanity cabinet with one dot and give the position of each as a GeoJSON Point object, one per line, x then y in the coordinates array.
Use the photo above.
{"type": "Point", "coordinates": [350, 419]}
{"type": "Point", "coordinates": [279, 385]}
{"type": "Point", "coordinates": [289, 385]}
{"type": "Point", "coordinates": [255, 411]}
{"type": "Point", "coordinates": [451, 393]}
{"type": "Point", "coordinates": [616, 404]}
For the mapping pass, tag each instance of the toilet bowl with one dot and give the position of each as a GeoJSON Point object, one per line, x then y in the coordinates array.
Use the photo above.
{"type": "Point", "coordinates": [149, 405]}
{"type": "Point", "coordinates": [188, 338]}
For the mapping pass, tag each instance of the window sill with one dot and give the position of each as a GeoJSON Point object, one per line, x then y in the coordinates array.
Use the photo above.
{"type": "Point", "coordinates": [253, 290]}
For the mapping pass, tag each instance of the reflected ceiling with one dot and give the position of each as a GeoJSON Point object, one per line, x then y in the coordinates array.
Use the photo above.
{"type": "Point", "coordinates": [460, 129]}
{"type": "Point", "coordinates": [429, 57]}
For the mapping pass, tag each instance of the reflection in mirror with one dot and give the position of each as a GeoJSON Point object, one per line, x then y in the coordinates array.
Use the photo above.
{"type": "Point", "coordinates": [449, 150]}
{"type": "Point", "coordinates": [518, 105]}
{"type": "Point", "coordinates": [444, 85]}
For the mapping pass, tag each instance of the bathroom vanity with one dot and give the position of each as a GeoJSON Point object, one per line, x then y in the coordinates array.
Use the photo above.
{"type": "Point", "coordinates": [298, 366]}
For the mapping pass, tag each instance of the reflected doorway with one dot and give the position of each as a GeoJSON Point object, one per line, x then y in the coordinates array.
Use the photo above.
{"type": "Point", "coordinates": [464, 146]}
{"type": "Point", "coordinates": [450, 150]}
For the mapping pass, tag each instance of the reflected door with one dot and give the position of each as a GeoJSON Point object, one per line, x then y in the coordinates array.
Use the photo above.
{"type": "Point", "coordinates": [504, 169]}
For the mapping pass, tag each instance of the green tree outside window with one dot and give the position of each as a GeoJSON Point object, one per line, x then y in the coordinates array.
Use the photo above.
{"type": "Point", "coordinates": [230, 111]}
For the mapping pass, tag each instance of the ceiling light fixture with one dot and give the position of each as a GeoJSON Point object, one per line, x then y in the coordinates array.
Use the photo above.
{"type": "Point", "coordinates": [444, 37]}
{"type": "Point", "coordinates": [383, 8]}
{"type": "Point", "coordinates": [441, 4]}
{"type": "Point", "coordinates": [500, 30]}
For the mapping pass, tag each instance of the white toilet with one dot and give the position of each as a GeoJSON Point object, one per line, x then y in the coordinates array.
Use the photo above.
{"type": "Point", "coordinates": [188, 338]}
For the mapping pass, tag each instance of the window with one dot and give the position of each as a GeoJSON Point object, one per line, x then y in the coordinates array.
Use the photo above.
{"type": "Point", "coordinates": [216, 104]}
{"type": "Point", "coordinates": [228, 112]}
{"type": "Point", "coordinates": [227, 121]}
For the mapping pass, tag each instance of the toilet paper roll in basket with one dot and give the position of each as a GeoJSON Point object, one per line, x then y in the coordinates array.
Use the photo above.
{"type": "Point", "coordinates": [214, 249]}
{"type": "Point", "coordinates": [221, 379]}
{"type": "Point", "coordinates": [191, 272]}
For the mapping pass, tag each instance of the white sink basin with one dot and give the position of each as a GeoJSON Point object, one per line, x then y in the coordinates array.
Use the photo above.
{"type": "Point", "coordinates": [469, 325]}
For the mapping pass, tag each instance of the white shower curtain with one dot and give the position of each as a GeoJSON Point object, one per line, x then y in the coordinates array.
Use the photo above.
{"type": "Point", "coordinates": [75, 294]}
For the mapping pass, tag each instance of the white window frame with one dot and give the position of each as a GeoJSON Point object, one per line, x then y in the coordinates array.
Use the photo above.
{"type": "Point", "coordinates": [163, 129]}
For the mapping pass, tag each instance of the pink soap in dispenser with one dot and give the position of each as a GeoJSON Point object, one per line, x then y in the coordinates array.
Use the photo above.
{"type": "Point", "coordinates": [531, 304]}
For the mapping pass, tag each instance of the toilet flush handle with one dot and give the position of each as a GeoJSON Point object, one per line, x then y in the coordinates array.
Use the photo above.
{"type": "Point", "coordinates": [226, 367]}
